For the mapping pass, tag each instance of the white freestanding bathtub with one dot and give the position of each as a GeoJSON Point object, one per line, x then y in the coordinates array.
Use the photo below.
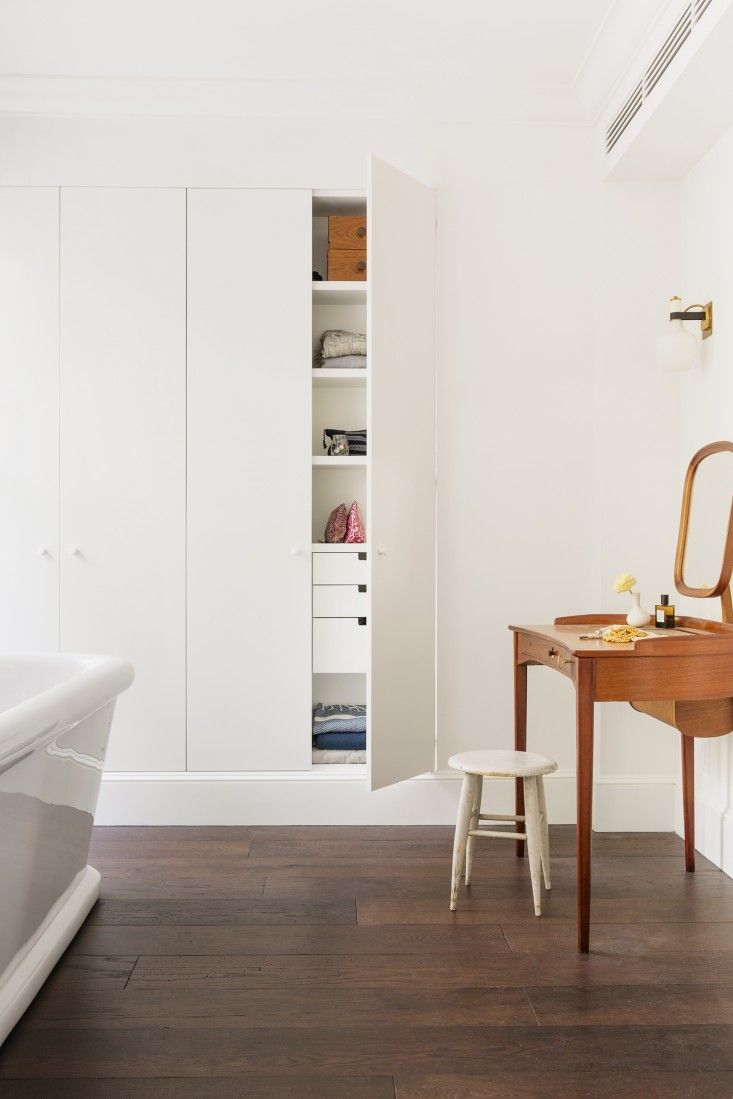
{"type": "Point", "coordinates": [55, 716]}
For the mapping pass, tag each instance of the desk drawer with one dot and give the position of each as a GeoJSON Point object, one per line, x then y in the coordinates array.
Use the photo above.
{"type": "Point", "coordinates": [547, 653]}
{"type": "Point", "coordinates": [339, 601]}
{"type": "Point", "coordinates": [340, 645]}
{"type": "Point", "coordinates": [340, 568]}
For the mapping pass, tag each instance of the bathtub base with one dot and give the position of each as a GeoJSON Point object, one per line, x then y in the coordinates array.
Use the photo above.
{"type": "Point", "coordinates": [25, 979]}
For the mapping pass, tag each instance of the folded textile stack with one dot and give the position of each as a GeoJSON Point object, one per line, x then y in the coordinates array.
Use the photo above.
{"type": "Point", "coordinates": [339, 728]}
{"type": "Point", "coordinates": [328, 755]}
{"type": "Point", "coordinates": [341, 350]}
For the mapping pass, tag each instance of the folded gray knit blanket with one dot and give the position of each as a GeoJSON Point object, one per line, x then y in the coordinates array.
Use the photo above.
{"type": "Point", "coordinates": [336, 343]}
{"type": "Point", "coordinates": [344, 362]}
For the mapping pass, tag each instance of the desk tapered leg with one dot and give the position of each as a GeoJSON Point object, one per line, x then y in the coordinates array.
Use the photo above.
{"type": "Point", "coordinates": [688, 798]}
{"type": "Point", "coordinates": [520, 731]}
{"type": "Point", "coordinates": [584, 781]}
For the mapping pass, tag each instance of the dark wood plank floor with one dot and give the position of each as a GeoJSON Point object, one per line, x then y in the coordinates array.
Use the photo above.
{"type": "Point", "coordinates": [324, 963]}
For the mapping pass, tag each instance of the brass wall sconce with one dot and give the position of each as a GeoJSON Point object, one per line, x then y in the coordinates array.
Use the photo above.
{"type": "Point", "coordinates": [678, 348]}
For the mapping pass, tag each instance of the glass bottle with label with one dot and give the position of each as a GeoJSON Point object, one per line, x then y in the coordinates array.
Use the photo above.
{"type": "Point", "coordinates": [664, 616]}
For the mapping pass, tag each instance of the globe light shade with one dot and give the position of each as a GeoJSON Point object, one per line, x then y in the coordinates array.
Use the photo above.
{"type": "Point", "coordinates": [677, 349]}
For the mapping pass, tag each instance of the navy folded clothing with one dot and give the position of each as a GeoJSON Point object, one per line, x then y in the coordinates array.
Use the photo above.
{"type": "Point", "coordinates": [352, 742]}
{"type": "Point", "coordinates": [329, 717]}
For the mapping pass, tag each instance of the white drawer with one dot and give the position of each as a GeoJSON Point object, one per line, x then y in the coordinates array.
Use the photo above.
{"type": "Point", "coordinates": [339, 568]}
{"type": "Point", "coordinates": [340, 645]}
{"type": "Point", "coordinates": [339, 601]}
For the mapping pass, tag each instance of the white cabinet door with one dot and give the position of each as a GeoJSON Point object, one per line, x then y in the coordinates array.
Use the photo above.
{"type": "Point", "coordinates": [401, 346]}
{"type": "Point", "coordinates": [249, 435]}
{"type": "Point", "coordinates": [29, 418]}
{"type": "Point", "coordinates": [123, 378]}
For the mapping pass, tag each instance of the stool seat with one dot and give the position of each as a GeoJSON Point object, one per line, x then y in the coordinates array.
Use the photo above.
{"type": "Point", "coordinates": [502, 764]}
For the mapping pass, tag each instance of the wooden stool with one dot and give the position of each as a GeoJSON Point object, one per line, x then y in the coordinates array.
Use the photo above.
{"type": "Point", "coordinates": [498, 764]}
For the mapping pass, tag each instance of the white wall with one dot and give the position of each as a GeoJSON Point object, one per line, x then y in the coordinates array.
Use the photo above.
{"type": "Point", "coordinates": [537, 373]}
{"type": "Point", "coordinates": [706, 243]}
{"type": "Point", "coordinates": [637, 479]}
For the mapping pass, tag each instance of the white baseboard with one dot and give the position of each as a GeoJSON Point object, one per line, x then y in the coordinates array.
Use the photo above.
{"type": "Point", "coordinates": [713, 831]}
{"type": "Point", "coordinates": [634, 803]}
{"type": "Point", "coordinates": [336, 797]}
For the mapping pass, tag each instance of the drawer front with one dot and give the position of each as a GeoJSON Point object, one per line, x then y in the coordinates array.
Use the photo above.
{"type": "Point", "coordinates": [347, 231]}
{"type": "Point", "coordinates": [340, 645]}
{"type": "Point", "coordinates": [347, 264]}
{"type": "Point", "coordinates": [545, 652]}
{"type": "Point", "coordinates": [339, 568]}
{"type": "Point", "coordinates": [339, 601]}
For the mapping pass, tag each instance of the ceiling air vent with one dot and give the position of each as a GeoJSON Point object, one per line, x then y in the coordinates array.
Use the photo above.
{"type": "Point", "coordinates": [672, 46]}
{"type": "Point", "coordinates": [624, 116]}
{"type": "Point", "coordinates": [655, 70]}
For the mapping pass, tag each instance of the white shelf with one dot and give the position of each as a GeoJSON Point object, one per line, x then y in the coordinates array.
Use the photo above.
{"type": "Point", "coordinates": [322, 376]}
{"type": "Point", "coordinates": [356, 461]}
{"type": "Point", "coordinates": [340, 547]}
{"type": "Point", "coordinates": [339, 293]}
{"type": "Point", "coordinates": [336, 769]}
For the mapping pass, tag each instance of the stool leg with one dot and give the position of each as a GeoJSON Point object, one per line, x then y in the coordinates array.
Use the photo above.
{"type": "Point", "coordinates": [544, 833]}
{"type": "Point", "coordinates": [471, 841]}
{"type": "Point", "coordinates": [459, 843]}
{"type": "Point", "coordinates": [532, 828]}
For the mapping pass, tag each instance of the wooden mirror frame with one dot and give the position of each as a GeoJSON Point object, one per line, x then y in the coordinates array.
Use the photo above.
{"type": "Point", "coordinates": [722, 587]}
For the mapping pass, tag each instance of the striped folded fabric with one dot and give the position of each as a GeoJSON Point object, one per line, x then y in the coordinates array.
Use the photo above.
{"type": "Point", "coordinates": [356, 438]}
{"type": "Point", "coordinates": [330, 717]}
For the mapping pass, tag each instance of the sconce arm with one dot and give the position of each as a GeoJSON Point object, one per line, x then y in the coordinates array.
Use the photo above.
{"type": "Point", "coordinates": [697, 312]}
{"type": "Point", "coordinates": [688, 315]}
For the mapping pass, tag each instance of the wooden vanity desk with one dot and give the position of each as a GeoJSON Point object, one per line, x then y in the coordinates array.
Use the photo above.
{"type": "Point", "coordinates": [692, 665]}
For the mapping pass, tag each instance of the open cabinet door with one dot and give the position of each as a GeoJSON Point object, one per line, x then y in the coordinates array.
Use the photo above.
{"type": "Point", "coordinates": [401, 504]}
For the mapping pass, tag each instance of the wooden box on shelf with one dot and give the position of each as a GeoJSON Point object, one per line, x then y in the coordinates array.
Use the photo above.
{"type": "Point", "coordinates": [347, 248]}
{"type": "Point", "coordinates": [347, 231]}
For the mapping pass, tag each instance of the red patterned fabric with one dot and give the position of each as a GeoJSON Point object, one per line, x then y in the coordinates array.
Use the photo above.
{"type": "Point", "coordinates": [355, 531]}
{"type": "Point", "coordinates": [337, 525]}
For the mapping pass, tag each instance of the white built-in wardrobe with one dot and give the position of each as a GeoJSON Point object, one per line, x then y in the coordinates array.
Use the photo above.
{"type": "Point", "coordinates": [163, 487]}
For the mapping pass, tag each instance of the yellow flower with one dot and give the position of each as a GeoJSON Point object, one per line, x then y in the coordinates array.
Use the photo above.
{"type": "Point", "coordinates": [624, 582]}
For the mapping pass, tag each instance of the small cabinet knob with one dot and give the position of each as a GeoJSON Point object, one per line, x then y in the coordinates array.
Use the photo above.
{"type": "Point", "coordinates": [296, 551]}
{"type": "Point", "coordinates": [382, 551]}
{"type": "Point", "coordinates": [361, 231]}
{"type": "Point", "coordinates": [75, 551]}
{"type": "Point", "coordinates": [43, 551]}
{"type": "Point", "coordinates": [361, 266]}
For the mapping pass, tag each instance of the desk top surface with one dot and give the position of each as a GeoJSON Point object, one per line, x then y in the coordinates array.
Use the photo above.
{"type": "Point", "coordinates": [693, 637]}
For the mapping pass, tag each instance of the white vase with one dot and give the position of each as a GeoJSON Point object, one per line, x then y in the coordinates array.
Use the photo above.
{"type": "Point", "coordinates": [637, 616]}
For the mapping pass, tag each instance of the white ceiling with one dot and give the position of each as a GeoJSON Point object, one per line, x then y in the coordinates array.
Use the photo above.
{"type": "Point", "coordinates": [520, 59]}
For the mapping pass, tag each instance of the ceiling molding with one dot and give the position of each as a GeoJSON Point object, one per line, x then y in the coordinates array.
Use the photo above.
{"type": "Point", "coordinates": [283, 99]}
{"type": "Point", "coordinates": [525, 61]}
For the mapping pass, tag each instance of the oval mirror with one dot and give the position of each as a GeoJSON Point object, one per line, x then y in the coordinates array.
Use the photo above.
{"type": "Point", "coordinates": [705, 545]}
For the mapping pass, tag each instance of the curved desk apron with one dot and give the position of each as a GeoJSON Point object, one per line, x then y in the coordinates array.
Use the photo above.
{"type": "Point", "coordinates": [683, 677]}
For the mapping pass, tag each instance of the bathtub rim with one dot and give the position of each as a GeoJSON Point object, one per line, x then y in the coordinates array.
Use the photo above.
{"type": "Point", "coordinates": [93, 682]}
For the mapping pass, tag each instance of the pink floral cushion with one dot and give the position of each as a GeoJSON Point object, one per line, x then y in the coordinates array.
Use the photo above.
{"type": "Point", "coordinates": [355, 531]}
{"type": "Point", "coordinates": [337, 524]}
